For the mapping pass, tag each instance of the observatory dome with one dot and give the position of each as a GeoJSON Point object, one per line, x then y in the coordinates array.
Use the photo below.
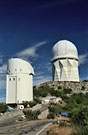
{"type": "Point", "coordinates": [16, 65]}
{"type": "Point", "coordinates": [64, 49]}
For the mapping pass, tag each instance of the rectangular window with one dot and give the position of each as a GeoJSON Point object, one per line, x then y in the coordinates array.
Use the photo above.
{"type": "Point", "coordinates": [13, 79]}
{"type": "Point", "coordinates": [9, 79]}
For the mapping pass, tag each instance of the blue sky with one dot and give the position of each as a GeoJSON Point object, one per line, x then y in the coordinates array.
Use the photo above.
{"type": "Point", "coordinates": [30, 28]}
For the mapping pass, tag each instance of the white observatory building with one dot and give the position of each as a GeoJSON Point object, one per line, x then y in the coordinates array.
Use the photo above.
{"type": "Point", "coordinates": [64, 59]}
{"type": "Point", "coordinates": [19, 81]}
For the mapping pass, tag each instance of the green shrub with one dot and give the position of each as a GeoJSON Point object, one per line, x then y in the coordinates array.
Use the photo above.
{"type": "Point", "coordinates": [79, 115]}
{"type": "Point", "coordinates": [57, 93]}
{"type": "Point", "coordinates": [82, 130]}
{"type": "Point", "coordinates": [59, 87]}
{"type": "Point", "coordinates": [37, 100]}
{"type": "Point", "coordinates": [65, 98]}
{"type": "Point", "coordinates": [70, 107]}
{"type": "Point", "coordinates": [36, 92]}
{"type": "Point", "coordinates": [3, 107]}
{"type": "Point", "coordinates": [25, 103]}
{"type": "Point", "coordinates": [56, 109]}
{"type": "Point", "coordinates": [31, 115]}
{"type": "Point", "coordinates": [42, 91]}
{"type": "Point", "coordinates": [67, 90]}
{"type": "Point", "coordinates": [51, 115]}
{"type": "Point", "coordinates": [32, 103]}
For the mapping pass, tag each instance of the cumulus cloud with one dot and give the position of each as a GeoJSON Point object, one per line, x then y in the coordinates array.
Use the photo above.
{"type": "Point", "coordinates": [31, 51]}
{"type": "Point", "coordinates": [83, 59]}
{"type": "Point", "coordinates": [3, 69]}
{"type": "Point", "coordinates": [26, 53]}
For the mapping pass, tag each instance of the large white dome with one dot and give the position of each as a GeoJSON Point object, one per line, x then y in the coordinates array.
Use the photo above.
{"type": "Point", "coordinates": [64, 49]}
{"type": "Point", "coordinates": [16, 65]}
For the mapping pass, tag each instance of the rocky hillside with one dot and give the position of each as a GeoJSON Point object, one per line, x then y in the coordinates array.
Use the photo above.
{"type": "Point", "coordinates": [75, 86]}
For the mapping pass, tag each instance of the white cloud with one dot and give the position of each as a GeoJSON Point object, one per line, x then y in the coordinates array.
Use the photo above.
{"type": "Point", "coordinates": [42, 73]}
{"type": "Point", "coordinates": [2, 99]}
{"type": "Point", "coordinates": [41, 79]}
{"type": "Point", "coordinates": [31, 51]}
{"type": "Point", "coordinates": [26, 53]}
{"type": "Point", "coordinates": [2, 84]}
{"type": "Point", "coordinates": [3, 69]}
{"type": "Point", "coordinates": [83, 59]}
{"type": "Point", "coordinates": [1, 58]}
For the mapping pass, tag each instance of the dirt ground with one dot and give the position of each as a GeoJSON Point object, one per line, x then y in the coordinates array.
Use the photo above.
{"type": "Point", "coordinates": [56, 130]}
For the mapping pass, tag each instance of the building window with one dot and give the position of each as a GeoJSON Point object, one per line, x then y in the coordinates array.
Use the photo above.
{"type": "Point", "coordinates": [9, 79]}
{"type": "Point", "coordinates": [13, 79]}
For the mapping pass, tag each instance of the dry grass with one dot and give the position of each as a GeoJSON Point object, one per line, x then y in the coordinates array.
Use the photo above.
{"type": "Point", "coordinates": [56, 130]}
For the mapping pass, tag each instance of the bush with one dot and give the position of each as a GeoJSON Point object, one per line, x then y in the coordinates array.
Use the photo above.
{"type": "Point", "coordinates": [79, 116]}
{"type": "Point", "coordinates": [36, 92]}
{"type": "Point", "coordinates": [25, 103]}
{"type": "Point", "coordinates": [32, 103]}
{"type": "Point", "coordinates": [65, 98]}
{"type": "Point", "coordinates": [67, 91]}
{"type": "Point", "coordinates": [3, 107]}
{"type": "Point", "coordinates": [31, 115]}
{"type": "Point", "coordinates": [57, 93]}
{"type": "Point", "coordinates": [59, 87]}
{"type": "Point", "coordinates": [51, 115]}
{"type": "Point", "coordinates": [82, 131]}
{"type": "Point", "coordinates": [56, 109]}
{"type": "Point", "coordinates": [37, 100]}
{"type": "Point", "coordinates": [42, 91]}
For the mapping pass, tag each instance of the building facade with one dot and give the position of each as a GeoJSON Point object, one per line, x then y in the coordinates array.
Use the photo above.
{"type": "Point", "coordinates": [64, 59]}
{"type": "Point", "coordinates": [19, 81]}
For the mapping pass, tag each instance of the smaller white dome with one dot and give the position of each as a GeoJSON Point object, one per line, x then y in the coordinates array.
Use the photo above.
{"type": "Point", "coordinates": [16, 65]}
{"type": "Point", "coordinates": [64, 49]}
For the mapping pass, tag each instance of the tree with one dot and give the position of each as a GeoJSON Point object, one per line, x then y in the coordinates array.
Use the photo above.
{"type": "Point", "coordinates": [3, 107]}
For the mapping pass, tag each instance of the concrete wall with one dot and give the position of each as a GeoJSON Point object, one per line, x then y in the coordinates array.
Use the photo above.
{"type": "Point", "coordinates": [65, 70]}
{"type": "Point", "coordinates": [19, 88]}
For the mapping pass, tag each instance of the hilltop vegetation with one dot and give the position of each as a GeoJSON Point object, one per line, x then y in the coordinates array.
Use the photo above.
{"type": "Point", "coordinates": [76, 106]}
{"type": "Point", "coordinates": [44, 91]}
